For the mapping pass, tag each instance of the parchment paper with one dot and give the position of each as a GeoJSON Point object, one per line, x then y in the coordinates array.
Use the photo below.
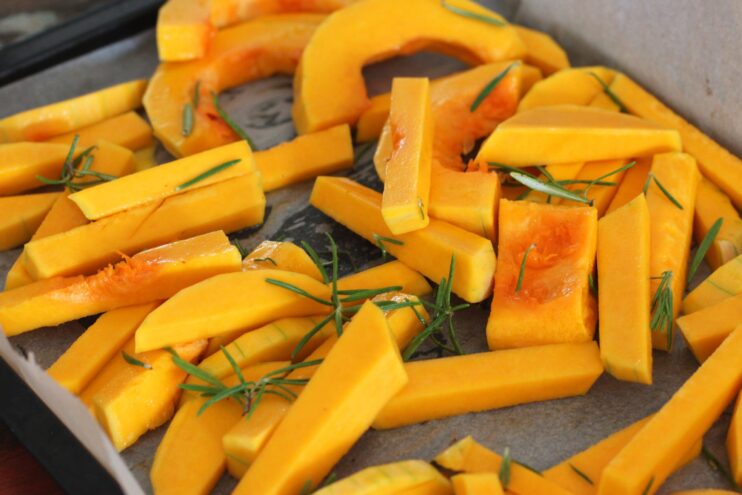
{"type": "Point", "coordinates": [693, 65]}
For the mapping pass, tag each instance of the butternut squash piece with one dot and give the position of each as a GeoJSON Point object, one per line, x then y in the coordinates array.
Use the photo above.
{"type": "Point", "coordinates": [707, 328]}
{"type": "Point", "coordinates": [404, 204]}
{"type": "Point", "coordinates": [468, 456]}
{"type": "Point", "coordinates": [220, 305]}
{"type": "Point", "coordinates": [145, 158]}
{"type": "Point", "coordinates": [450, 386]}
{"type": "Point", "coordinates": [671, 228]}
{"type": "Point", "coordinates": [183, 30]}
{"type": "Point", "coordinates": [88, 247]}
{"type": "Point", "coordinates": [139, 399]}
{"type": "Point", "coordinates": [712, 204]}
{"type": "Point", "coordinates": [601, 196]}
{"type": "Point", "coordinates": [632, 184]}
{"type": "Point", "coordinates": [567, 87]}
{"type": "Point", "coordinates": [554, 284]}
{"type": "Point", "coordinates": [723, 283]}
{"type": "Point", "coordinates": [282, 256]}
{"type": "Point", "coordinates": [734, 442]}
{"type": "Point", "coordinates": [542, 51]}
{"type": "Point", "coordinates": [654, 451]}
{"type": "Point", "coordinates": [569, 133]}
{"type": "Point", "coordinates": [602, 100]}
{"type": "Point", "coordinates": [477, 484]}
{"type": "Point", "coordinates": [399, 477]}
{"type": "Point", "coordinates": [128, 130]}
{"type": "Point", "coordinates": [428, 251]}
{"type": "Point", "coordinates": [148, 276]}
{"type": "Point", "coordinates": [252, 50]}
{"type": "Point", "coordinates": [159, 183]}
{"type": "Point", "coordinates": [359, 375]}
{"type": "Point", "coordinates": [227, 12]}
{"type": "Point", "coordinates": [306, 157]}
{"type": "Point", "coordinates": [20, 163]}
{"type": "Point", "coordinates": [21, 216]}
{"type": "Point", "coordinates": [42, 123]}
{"type": "Point", "coordinates": [624, 305]}
{"type": "Point", "coordinates": [716, 163]}
{"type": "Point", "coordinates": [97, 346]}
{"type": "Point", "coordinates": [564, 171]}
{"type": "Point", "coordinates": [329, 87]}
{"type": "Point", "coordinates": [190, 458]}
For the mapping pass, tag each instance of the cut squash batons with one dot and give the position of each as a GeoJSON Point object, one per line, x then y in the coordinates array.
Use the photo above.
{"type": "Point", "coordinates": [542, 51]}
{"type": "Point", "coordinates": [22, 215]}
{"type": "Point", "coordinates": [284, 256]}
{"type": "Point", "coordinates": [706, 329]}
{"type": "Point", "coordinates": [632, 184]}
{"type": "Point", "coordinates": [128, 130]}
{"type": "Point", "coordinates": [22, 162]}
{"type": "Point", "coordinates": [711, 205]}
{"type": "Point", "coordinates": [723, 283]}
{"type": "Point", "coordinates": [404, 477]}
{"type": "Point", "coordinates": [183, 30]}
{"type": "Point", "coordinates": [577, 86]}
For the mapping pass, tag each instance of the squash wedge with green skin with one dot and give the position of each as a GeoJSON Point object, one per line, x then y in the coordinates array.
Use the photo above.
{"type": "Point", "coordinates": [477, 484]}
{"type": "Point", "coordinates": [671, 228]}
{"type": "Point", "coordinates": [170, 179]}
{"type": "Point", "coordinates": [567, 87]}
{"type": "Point", "coordinates": [97, 345]}
{"type": "Point", "coordinates": [468, 456]}
{"type": "Point", "coordinates": [40, 124]}
{"type": "Point", "coordinates": [711, 205]}
{"type": "Point", "coordinates": [357, 377]}
{"type": "Point", "coordinates": [89, 247]}
{"type": "Point", "coordinates": [183, 30]}
{"type": "Point", "coordinates": [723, 283]}
{"type": "Point", "coordinates": [705, 329]}
{"type": "Point", "coordinates": [716, 163]}
{"type": "Point", "coordinates": [22, 215]}
{"type": "Point", "coordinates": [404, 477]}
{"type": "Point", "coordinates": [128, 130]}
{"type": "Point", "coordinates": [149, 276]}
{"type": "Point", "coordinates": [734, 442]}
{"type": "Point", "coordinates": [328, 85]}
{"type": "Point", "coordinates": [632, 184]}
{"type": "Point", "coordinates": [227, 12]}
{"type": "Point", "coordinates": [23, 161]}
{"type": "Point", "coordinates": [571, 133]}
{"type": "Point", "coordinates": [227, 303]}
{"type": "Point", "coordinates": [428, 251]}
{"type": "Point", "coordinates": [246, 52]}
{"type": "Point", "coordinates": [655, 450]}
{"type": "Point", "coordinates": [285, 256]}
{"type": "Point", "coordinates": [542, 51]}
{"type": "Point", "coordinates": [451, 386]}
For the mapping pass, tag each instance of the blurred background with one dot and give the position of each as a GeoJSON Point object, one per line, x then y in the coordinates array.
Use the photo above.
{"type": "Point", "coordinates": [21, 18]}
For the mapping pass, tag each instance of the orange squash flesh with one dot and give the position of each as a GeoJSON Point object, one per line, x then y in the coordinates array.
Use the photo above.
{"type": "Point", "coordinates": [22, 162]}
{"type": "Point", "coordinates": [655, 450]}
{"type": "Point", "coordinates": [128, 130]}
{"type": "Point", "coordinates": [227, 12]}
{"type": "Point", "coordinates": [554, 286]}
{"type": "Point", "coordinates": [305, 157]}
{"type": "Point", "coordinates": [456, 385]}
{"type": "Point", "coordinates": [285, 256]}
{"type": "Point", "coordinates": [542, 51]}
{"type": "Point", "coordinates": [40, 124]}
{"type": "Point", "coordinates": [601, 196]}
{"type": "Point", "coordinates": [734, 442]}
{"type": "Point", "coordinates": [723, 283]}
{"type": "Point", "coordinates": [428, 251]}
{"type": "Point", "coordinates": [252, 50]}
{"type": "Point", "coordinates": [477, 484]}
{"type": "Point", "coordinates": [183, 30]}
{"type": "Point", "coordinates": [329, 87]}
{"type": "Point", "coordinates": [624, 305]}
{"type": "Point", "coordinates": [361, 372]}
{"type": "Point", "coordinates": [148, 276]}
{"type": "Point", "coordinates": [705, 492]}
{"type": "Point", "coordinates": [404, 477]}
{"type": "Point", "coordinates": [89, 247]}
{"type": "Point", "coordinates": [21, 216]}
{"type": "Point", "coordinates": [97, 345]}
{"type": "Point", "coordinates": [567, 87]}
{"type": "Point", "coordinates": [632, 184]}
{"type": "Point", "coordinates": [706, 329]}
{"type": "Point", "coordinates": [468, 456]}
{"type": "Point", "coordinates": [145, 158]}
{"type": "Point", "coordinates": [712, 204]}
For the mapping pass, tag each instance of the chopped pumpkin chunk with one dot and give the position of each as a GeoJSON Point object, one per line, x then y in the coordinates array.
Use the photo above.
{"type": "Point", "coordinates": [575, 86]}
{"type": "Point", "coordinates": [183, 30]}
{"type": "Point", "coordinates": [21, 216]}
{"type": "Point", "coordinates": [281, 256]}
{"type": "Point", "coordinates": [600, 196]}
{"type": "Point", "coordinates": [542, 51]}
{"type": "Point", "coordinates": [723, 283]}
{"type": "Point", "coordinates": [705, 329]}
{"type": "Point", "coordinates": [711, 205]}
{"type": "Point", "coordinates": [20, 163]}
{"type": "Point", "coordinates": [477, 484]}
{"type": "Point", "coordinates": [408, 477]}
{"type": "Point", "coordinates": [632, 183]}
{"type": "Point", "coordinates": [128, 130]}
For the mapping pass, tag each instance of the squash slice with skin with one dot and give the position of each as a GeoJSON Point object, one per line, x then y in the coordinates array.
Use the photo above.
{"type": "Point", "coordinates": [723, 283]}
{"type": "Point", "coordinates": [128, 130]}
{"type": "Point", "coordinates": [457, 385]}
{"type": "Point", "coordinates": [151, 275]}
{"type": "Point", "coordinates": [285, 256]}
{"type": "Point", "coordinates": [40, 124]}
{"type": "Point", "coordinates": [561, 243]}
{"type": "Point", "coordinates": [246, 52]}
{"type": "Point", "coordinates": [428, 251]}
{"type": "Point", "coordinates": [468, 456]}
{"type": "Point", "coordinates": [22, 162]}
{"type": "Point", "coordinates": [570, 133]}
{"type": "Point", "coordinates": [711, 205]}
{"type": "Point", "coordinates": [542, 51]}
{"type": "Point", "coordinates": [227, 12]}
{"type": "Point", "coordinates": [89, 247]}
{"type": "Point", "coordinates": [328, 85]}
{"type": "Point", "coordinates": [716, 163]}
{"type": "Point", "coordinates": [671, 229]}
{"type": "Point", "coordinates": [183, 30]}
{"type": "Point", "coordinates": [707, 328]}
{"type": "Point", "coordinates": [734, 442]}
{"type": "Point", "coordinates": [575, 86]}
{"type": "Point", "coordinates": [21, 216]}
{"type": "Point", "coordinates": [654, 452]}
{"type": "Point", "coordinates": [632, 184]}
{"type": "Point", "coordinates": [97, 345]}
{"type": "Point", "coordinates": [404, 477]}
{"type": "Point", "coordinates": [477, 484]}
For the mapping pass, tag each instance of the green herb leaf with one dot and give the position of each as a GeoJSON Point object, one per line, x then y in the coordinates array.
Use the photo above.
{"type": "Point", "coordinates": [473, 15]}
{"type": "Point", "coordinates": [522, 271]}
{"type": "Point", "coordinates": [380, 240]}
{"type": "Point", "coordinates": [421, 208]}
{"type": "Point", "coordinates": [599, 180]}
{"type": "Point", "coordinates": [507, 168]}
{"type": "Point", "coordinates": [649, 486]}
{"type": "Point", "coordinates": [269, 260]}
{"type": "Point", "coordinates": [490, 87]}
{"type": "Point", "coordinates": [196, 95]}
{"type": "Point", "coordinates": [298, 290]}
{"type": "Point", "coordinates": [662, 307]}
{"type": "Point", "coordinates": [704, 247]}
{"type": "Point", "coordinates": [609, 92]}
{"type": "Point", "coordinates": [581, 474]}
{"type": "Point", "coordinates": [547, 188]}
{"type": "Point", "coordinates": [208, 173]}
{"type": "Point", "coordinates": [231, 123]}
{"type": "Point", "coordinates": [530, 468]}
{"type": "Point", "coordinates": [667, 194]}
{"type": "Point", "coordinates": [591, 283]}
{"type": "Point", "coordinates": [504, 472]}
{"type": "Point", "coordinates": [240, 248]}
{"type": "Point", "coordinates": [134, 361]}
{"type": "Point", "coordinates": [187, 119]}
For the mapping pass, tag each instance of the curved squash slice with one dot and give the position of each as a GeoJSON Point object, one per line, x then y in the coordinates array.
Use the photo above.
{"type": "Point", "coordinates": [577, 86]}
{"type": "Point", "coordinates": [128, 130]}
{"type": "Point", "coordinates": [542, 51]}
{"type": "Point", "coordinates": [329, 87]}
{"type": "Point", "coordinates": [21, 216]}
{"type": "Point", "coordinates": [407, 477]}
{"type": "Point", "coordinates": [712, 204]}
{"type": "Point", "coordinates": [40, 124]}
{"type": "Point", "coordinates": [246, 52]}
{"type": "Point", "coordinates": [227, 12]}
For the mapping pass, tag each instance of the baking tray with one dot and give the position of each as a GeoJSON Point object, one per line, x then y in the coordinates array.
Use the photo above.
{"type": "Point", "coordinates": [540, 434]}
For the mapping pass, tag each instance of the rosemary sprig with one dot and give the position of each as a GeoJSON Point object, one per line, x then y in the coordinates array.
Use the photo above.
{"type": "Point", "coordinates": [134, 361]}
{"type": "Point", "coordinates": [75, 169]}
{"type": "Point", "coordinates": [609, 92]}
{"type": "Point", "coordinates": [522, 271]}
{"type": "Point", "coordinates": [379, 240]}
{"type": "Point", "coordinates": [504, 473]}
{"type": "Point", "coordinates": [717, 466]}
{"type": "Point", "coordinates": [581, 474]}
{"type": "Point", "coordinates": [649, 486]}
{"type": "Point", "coordinates": [231, 123]}
{"type": "Point", "coordinates": [243, 252]}
{"type": "Point", "coordinates": [490, 87]}
{"type": "Point", "coordinates": [548, 188]}
{"type": "Point", "coordinates": [267, 259]}
{"type": "Point", "coordinates": [591, 283]}
{"type": "Point", "coordinates": [667, 194]}
{"type": "Point", "coordinates": [704, 247]}
{"type": "Point", "coordinates": [208, 173]}
{"type": "Point", "coordinates": [662, 306]}
{"type": "Point", "coordinates": [187, 119]}
{"type": "Point", "coordinates": [473, 15]}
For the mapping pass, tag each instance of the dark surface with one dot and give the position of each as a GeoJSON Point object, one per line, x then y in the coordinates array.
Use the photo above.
{"type": "Point", "coordinates": [20, 472]}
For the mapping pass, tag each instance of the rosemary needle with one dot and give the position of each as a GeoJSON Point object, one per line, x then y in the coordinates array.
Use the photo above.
{"type": "Point", "coordinates": [380, 240]}
{"type": "Point", "coordinates": [609, 92]}
{"type": "Point", "coordinates": [490, 87]}
{"type": "Point", "coordinates": [504, 473]}
{"type": "Point", "coordinates": [231, 123]}
{"type": "Point", "coordinates": [472, 15]}
{"type": "Point", "coordinates": [704, 247]}
{"type": "Point", "coordinates": [187, 119]}
{"type": "Point", "coordinates": [662, 306]}
{"type": "Point", "coordinates": [134, 361]}
{"type": "Point", "coordinates": [667, 194]}
{"type": "Point", "coordinates": [649, 486]}
{"type": "Point", "coordinates": [208, 173]}
{"type": "Point", "coordinates": [268, 260]}
{"type": "Point", "coordinates": [581, 474]}
{"type": "Point", "coordinates": [522, 271]}
{"type": "Point", "coordinates": [547, 188]}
